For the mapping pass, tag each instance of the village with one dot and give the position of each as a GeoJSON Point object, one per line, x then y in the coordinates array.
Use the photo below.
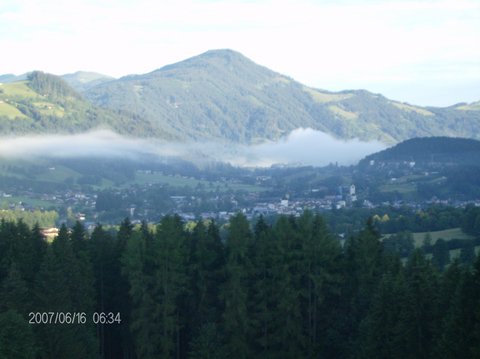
{"type": "Point", "coordinates": [139, 204]}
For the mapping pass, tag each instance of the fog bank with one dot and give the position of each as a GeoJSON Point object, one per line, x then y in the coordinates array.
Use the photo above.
{"type": "Point", "coordinates": [301, 146]}
{"type": "Point", "coordinates": [308, 147]}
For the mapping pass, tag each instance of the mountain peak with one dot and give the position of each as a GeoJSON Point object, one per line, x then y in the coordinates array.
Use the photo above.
{"type": "Point", "coordinates": [221, 94]}
{"type": "Point", "coordinates": [84, 80]}
{"type": "Point", "coordinates": [224, 54]}
{"type": "Point", "coordinates": [212, 58]}
{"type": "Point", "coordinates": [86, 76]}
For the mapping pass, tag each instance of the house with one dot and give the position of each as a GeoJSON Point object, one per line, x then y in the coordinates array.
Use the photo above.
{"type": "Point", "coordinates": [49, 233]}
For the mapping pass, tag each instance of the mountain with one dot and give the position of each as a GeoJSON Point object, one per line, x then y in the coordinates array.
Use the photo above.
{"type": "Point", "coordinates": [422, 168]}
{"type": "Point", "coordinates": [45, 103]}
{"type": "Point", "coordinates": [83, 80]}
{"type": "Point", "coordinates": [219, 95]}
{"type": "Point", "coordinates": [12, 78]}
{"type": "Point", "coordinates": [223, 95]}
{"type": "Point", "coordinates": [429, 150]}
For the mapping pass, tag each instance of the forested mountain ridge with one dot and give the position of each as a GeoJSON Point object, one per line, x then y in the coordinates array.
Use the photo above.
{"type": "Point", "coordinates": [46, 104]}
{"type": "Point", "coordinates": [444, 150]}
{"type": "Point", "coordinates": [443, 167]}
{"type": "Point", "coordinates": [221, 94]}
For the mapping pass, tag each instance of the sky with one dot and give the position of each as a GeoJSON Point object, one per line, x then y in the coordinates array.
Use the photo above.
{"type": "Point", "coordinates": [422, 52]}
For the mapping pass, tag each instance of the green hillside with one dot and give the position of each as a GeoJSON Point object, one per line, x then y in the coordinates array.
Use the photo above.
{"type": "Point", "coordinates": [422, 168]}
{"type": "Point", "coordinates": [445, 150]}
{"type": "Point", "coordinates": [222, 94]}
{"type": "Point", "coordinates": [45, 103]}
{"type": "Point", "coordinates": [218, 95]}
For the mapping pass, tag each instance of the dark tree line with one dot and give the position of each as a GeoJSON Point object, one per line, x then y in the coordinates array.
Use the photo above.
{"type": "Point", "coordinates": [287, 290]}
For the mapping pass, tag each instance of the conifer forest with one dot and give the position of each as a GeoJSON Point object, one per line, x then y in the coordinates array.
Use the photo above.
{"type": "Point", "coordinates": [289, 289]}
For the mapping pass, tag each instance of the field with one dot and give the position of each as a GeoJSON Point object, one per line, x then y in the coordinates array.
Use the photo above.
{"type": "Point", "coordinates": [143, 178]}
{"type": "Point", "coordinates": [408, 184]}
{"type": "Point", "coordinates": [324, 97]}
{"type": "Point", "coordinates": [33, 202]}
{"type": "Point", "coordinates": [410, 108]}
{"type": "Point", "coordinates": [12, 93]}
{"type": "Point", "coordinates": [10, 111]}
{"type": "Point", "coordinates": [18, 89]}
{"type": "Point", "coordinates": [447, 234]}
{"type": "Point", "coordinates": [43, 171]}
{"type": "Point", "coordinates": [343, 113]}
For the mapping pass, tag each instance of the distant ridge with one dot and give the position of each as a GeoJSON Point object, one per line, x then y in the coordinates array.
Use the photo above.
{"type": "Point", "coordinates": [11, 78]}
{"type": "Point", "coordinates": [221, 95]}
{"type": "Point", "coordinates": [84, 80]}
{"type": "Point", "coordinates": [431, 149]}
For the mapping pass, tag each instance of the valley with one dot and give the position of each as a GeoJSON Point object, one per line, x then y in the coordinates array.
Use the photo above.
{"type": "Point", "coordinates": [148, 188]}
{"type": "Point", "coordinates": [226, 172]}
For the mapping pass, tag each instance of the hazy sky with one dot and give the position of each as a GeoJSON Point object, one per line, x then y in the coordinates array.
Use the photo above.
{"type": "Point", "coordinates": [423, 52]}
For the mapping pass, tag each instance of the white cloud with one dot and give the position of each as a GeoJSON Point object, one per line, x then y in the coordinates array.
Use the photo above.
{"type": "Point", "coordinates": [304, 146]}
{"type": "Point", "coordinates": [307, 147]}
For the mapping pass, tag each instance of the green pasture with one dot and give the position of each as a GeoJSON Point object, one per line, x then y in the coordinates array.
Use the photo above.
{"type": "Point", "coordinates": [142, 178]}
{"type": "Point", "coordinates": [447, 234]}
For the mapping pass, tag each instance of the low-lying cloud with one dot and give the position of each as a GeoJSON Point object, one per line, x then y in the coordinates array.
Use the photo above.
{"type": "Point", "coordinates": [301, 146]}
{"type": "Point", "coordinates": [308, 147]}
{"type": "Point", "coordinates": [102, 143]}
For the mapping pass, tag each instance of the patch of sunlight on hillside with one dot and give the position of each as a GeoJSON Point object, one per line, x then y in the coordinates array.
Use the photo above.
{"type": "Point", "coordinates": [324, 97]}
{"type": "Point", "coordinates": [410, 108]}
{"type": "Point", "coordinates": [10, 111]}
{"type": "Point", "coordinates": [343, 113]}
{"type": "Point", "coordinates": [475, 106]}
{"type": "Point", "coordinates": [447, 234]}
{"type": "Point", "coordinates": [50, 109]}
{"type": "Point", "coordinates": [20, 89]}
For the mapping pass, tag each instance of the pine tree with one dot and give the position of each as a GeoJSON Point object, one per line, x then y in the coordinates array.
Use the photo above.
{"type": "Point", "coordinates": [121, 339]}
{"type": "Point", "coordinates": [7, 241]}
{"type": "Point", "coordinates": [106, 264]}
{"type": "Point", "coordinates": [14, 293]}
{"type": "Point", "coordinates": [290, 334]}
{"type": "Point", "coordinates": [441, 254]}
{"type": "Point", "coordinates": [380, 334]}
{"type": "Point", "coordinates": [39, 245]}
{"type": "Point", "coordinates": [138, 267]}
{"type": "Point", "coordinates": [235, 290]}
{"type": "Point", "coordinates": [467, 253]}
{"type": "Point", "coordinates": [474, 344]}
{"type": "Point", "coordinates": [155, 268]}
{"type": "Point", "coordinates": [170, 282]}
{"type": "Point", "coordinates": [125, 231]}
{"type": "Point", "coordinates": [450, 336]}
{"type": "Point", "coordinates": [28, 251]}
{"type": "Point", "coordinates": [61, 286]}
{"type": "Point", "coordinates": [363, 269]}
{"type": "Point", "coordinates": [263, 296]}
{"type": "Point", "coordinates": [419, 307]}
{"type": "Point", "coordinates": [322, 254]}
{"type": "Point", "coordinates": [205, 270]}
